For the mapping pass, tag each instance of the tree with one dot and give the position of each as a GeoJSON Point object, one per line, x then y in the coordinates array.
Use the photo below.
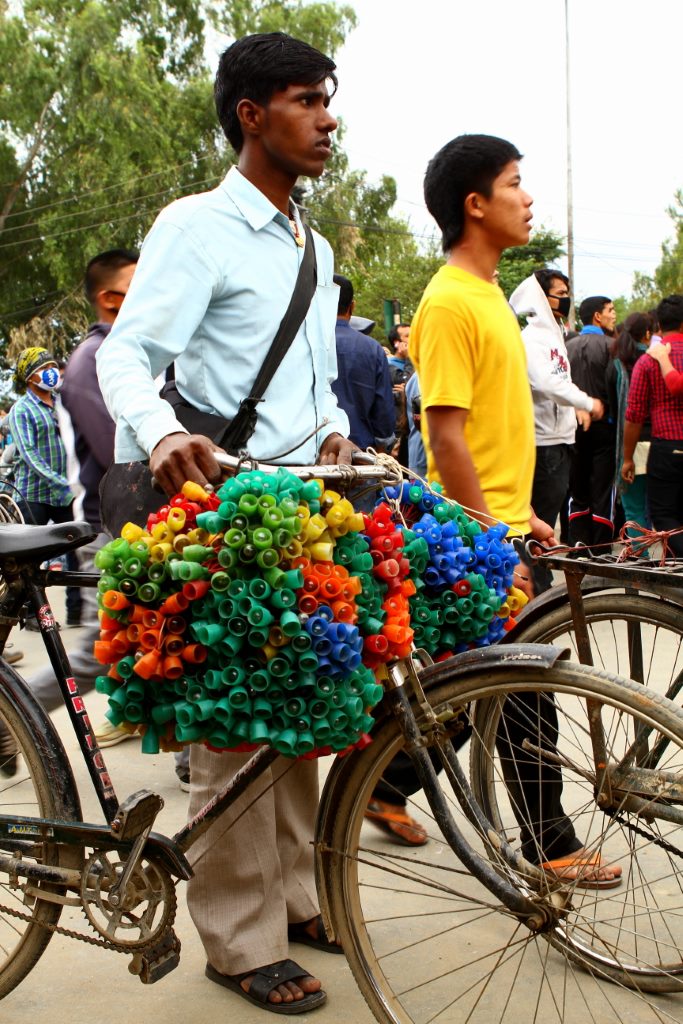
{"type": "Point", "coordinates": [106, 114]}
{"type": "Point", "coordinates": [543, 249]}
{"type": "Point", "coordinates": [649, 290]}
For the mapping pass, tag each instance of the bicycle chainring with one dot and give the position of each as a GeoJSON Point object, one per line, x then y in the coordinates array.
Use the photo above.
{"type": "Point", "coordinates": [147, 906]}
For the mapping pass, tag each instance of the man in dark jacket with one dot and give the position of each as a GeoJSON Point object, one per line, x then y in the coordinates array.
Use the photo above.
{"type": "Point", "coordinates": [591, 484]}
{"type": "Point", "coordinates": [363, 384]}
{"type": "Point", "coordinates": [107, 278]}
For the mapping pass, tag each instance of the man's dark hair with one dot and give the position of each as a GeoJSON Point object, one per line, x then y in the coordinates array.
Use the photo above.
{"type": "Point", "coordinates": [345, 293]}
{"type": "Point", "coordinates": [547, 275]}
{"type": "Point", "coordinates": [102, 268]}
{"type": "Point", "coordinates": [590, 306]}
{"type": "Point", "coordinates": [256, 67]}
{"type": "Point", "coordinates": [393, 337]}
{"type": "Point", "coordinates": [470, 163]}
{"type": "Point", "coordinates": [670, 313]}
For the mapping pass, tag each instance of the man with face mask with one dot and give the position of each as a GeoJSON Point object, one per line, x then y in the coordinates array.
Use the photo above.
{"type": "Point", "coordinates": [559, 404]}
{"type": "Point", "coordinates": [40, 466]}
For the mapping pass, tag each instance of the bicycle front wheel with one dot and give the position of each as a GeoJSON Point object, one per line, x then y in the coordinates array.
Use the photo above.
{"type": "Point", "coordinates": [427, 942]}
{"type": "Point", "coordinates": [28, 788]}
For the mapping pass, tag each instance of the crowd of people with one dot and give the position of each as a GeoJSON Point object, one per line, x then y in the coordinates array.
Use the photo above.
{"type": "Point", "coordinates": [526, 427]}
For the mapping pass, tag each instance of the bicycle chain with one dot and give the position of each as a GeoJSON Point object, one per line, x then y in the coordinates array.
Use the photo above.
{"type": "Point", "coordinates": [658, 841]}
{"type": "Point", "coordinates": [90, 940]}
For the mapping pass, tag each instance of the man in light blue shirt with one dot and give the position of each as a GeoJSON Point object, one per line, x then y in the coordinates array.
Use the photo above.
{"type": "Point", "coordinates": [215, 276]}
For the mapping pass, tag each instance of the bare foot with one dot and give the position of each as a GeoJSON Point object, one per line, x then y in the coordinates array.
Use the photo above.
{"type": "Point", "coordinates": [583, 865]}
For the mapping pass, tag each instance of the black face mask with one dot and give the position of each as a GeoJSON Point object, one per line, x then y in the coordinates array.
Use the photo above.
{"type": "Point", "coordinates": [564, 304]}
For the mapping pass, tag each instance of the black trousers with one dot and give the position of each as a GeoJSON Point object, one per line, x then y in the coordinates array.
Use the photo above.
{"type": "Point", "coordinates": [591, 487]}
{"type": "Point", "coordinates": [665, 488]}
{"type": "Point", "coordinates": [41, 514]}
{"type": "Point", "coordinates": [550, 487]}
{"type": "Point", "coordinates": [534, 785]}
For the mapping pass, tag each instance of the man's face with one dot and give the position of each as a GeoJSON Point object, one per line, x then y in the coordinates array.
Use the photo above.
{"type": "Point", "coordinates": [558, 290]}
{"type": "Point", "coordinates": [110, 299]}
{"type": "Point", "coordinates": [507, 211]}
{"type": "Point", "coordinates": [402, 343]}
{"type": "Point", "coordinates": [295, 129]}
{"type": "Point", "coordinates": [606, 318]}
{"type": "Point", "coordinates": [35, 378]}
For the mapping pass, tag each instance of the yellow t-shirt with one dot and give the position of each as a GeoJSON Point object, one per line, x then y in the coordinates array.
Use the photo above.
{"type": "Point", "coordinates": [467, 348]}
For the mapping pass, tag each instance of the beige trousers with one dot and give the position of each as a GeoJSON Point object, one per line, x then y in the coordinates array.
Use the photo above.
{"type": "Point", "coordinates": [256, 877]}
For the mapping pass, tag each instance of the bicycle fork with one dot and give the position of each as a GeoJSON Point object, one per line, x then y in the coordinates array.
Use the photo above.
{"type": "Point", "coordinates": [538, 916]}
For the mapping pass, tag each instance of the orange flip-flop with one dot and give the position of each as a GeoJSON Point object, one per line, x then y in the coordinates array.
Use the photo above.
{"type": "Point", "coordinates": [556, 869]}
{"type": "Point", "coordinates": [393, 820]}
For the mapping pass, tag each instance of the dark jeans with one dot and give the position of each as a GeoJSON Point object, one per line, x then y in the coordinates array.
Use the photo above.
{"type": "Point", "coordinates": [551, 483]}
{"type": "Point", "coordinates": [41, 514]}
{"type": "Point", "coordinates": [591, 485]}
{"type": "Point", "coordinates": [665, 488]}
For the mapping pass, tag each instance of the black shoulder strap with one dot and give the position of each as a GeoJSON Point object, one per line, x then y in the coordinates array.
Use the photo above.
{"type": "Point", "coordinates": [242, 426]}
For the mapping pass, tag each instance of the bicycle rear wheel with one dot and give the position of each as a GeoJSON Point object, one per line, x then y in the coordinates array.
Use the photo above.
{"type": "Point", "coordinates": [633, 635]}
{"type": "Point", "coordinates": [427, 942]}
{"type": "Point", "coordinates": [31, 786]}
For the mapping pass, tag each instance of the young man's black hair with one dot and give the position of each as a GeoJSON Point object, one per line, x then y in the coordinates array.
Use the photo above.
{"type": "Point", "coordinates": [260, 65]}
{"type": "Point", "coordinates": [470, 163]}
{"type": "Point", "coordinates": [670, 313]}
{"type": "Point", "coordinates": [590, 306]}
{"type": "Point", "coordinates": [547, 275]}
{"type": "Point", "coordinates": [102, 267]}
{"type": "Point", "coordinates": [393, 337]}
{"type": "Point", "coordinates": [345, 293]}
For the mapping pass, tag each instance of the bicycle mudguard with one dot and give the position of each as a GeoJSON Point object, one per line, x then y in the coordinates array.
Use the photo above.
{"type": "Point", "coordinates": [484, 659]}
{"type": "Point", "coordinates": [49, 746]}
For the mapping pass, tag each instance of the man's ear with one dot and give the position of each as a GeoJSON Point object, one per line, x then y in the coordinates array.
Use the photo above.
{"type": "Point", "coordinates": [249, 115]}
{"type": "Point", "coordinates": [472, 206]}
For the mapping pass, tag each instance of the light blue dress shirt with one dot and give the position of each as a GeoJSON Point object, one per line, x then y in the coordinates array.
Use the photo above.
{"type": "Point", "coordinates": [215, 276]}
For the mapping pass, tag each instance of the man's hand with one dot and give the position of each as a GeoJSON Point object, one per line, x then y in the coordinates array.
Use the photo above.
{"type": "Point", "coordinates": [583, 418]}
{"type": "Point", "coordinates": [598, 410]}
{"type": "Point", "coordinates": [659, 351]}
{"type": "Point", "coordinates": [399, 389]}
{"type": "Point", "coordinates": [336, 448]}
{"type": "Point", "coordinates": [628, 470]}
{"type": "Point", "coordinates": [542, 532]}
{"type": "Point", "coordinates": [180, 457]}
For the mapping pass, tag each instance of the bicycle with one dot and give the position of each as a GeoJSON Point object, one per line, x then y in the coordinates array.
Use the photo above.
{"type": "Point", "coordinates": [618, 743]}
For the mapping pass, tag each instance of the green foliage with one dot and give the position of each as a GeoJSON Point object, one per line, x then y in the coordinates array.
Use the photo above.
{"type": "Point", "coordinates": [649, 290]}
{"type": "Point", "coordinates": [518, 263]}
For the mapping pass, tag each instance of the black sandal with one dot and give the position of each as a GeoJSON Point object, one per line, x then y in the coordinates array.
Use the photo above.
{"type": "Point", "coordinates": [265, 979]}
{"type": "Point", "coordinates": [298, 933]}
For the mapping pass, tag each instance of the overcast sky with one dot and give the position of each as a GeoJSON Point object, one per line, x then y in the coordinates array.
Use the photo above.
{"type": "Point", "coordinates": [415, 74]}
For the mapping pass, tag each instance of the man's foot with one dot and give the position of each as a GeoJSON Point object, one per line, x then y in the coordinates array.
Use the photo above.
{"type": "Point", "coordinates": [585, 869]}
{"type": "Point", "coordinates": [12, 656]}
{"type": "Point", "coordinates": [108, 735]}
{"type": "Point", "coordinates": [393, 820]}
{"type": "Point", "coordinates": [312, 933]}
{"type": "Point", "coordinates": [183, 773]}
{"type": "Point", "coordinates": [282, 987]}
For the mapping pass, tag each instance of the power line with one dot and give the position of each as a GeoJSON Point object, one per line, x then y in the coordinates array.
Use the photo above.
{"type": "Point", "coordinates": [74, 197]}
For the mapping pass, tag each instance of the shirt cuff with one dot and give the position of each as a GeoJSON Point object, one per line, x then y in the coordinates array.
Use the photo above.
{"type": "Point", "coordinates": [155, 427]}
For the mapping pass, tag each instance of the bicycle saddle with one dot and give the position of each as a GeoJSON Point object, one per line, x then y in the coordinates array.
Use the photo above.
{"type": "Point", "coordinates": [19, 540]}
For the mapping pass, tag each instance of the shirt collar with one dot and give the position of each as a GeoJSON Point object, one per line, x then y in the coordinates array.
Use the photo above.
{"type": "Point", "coordinates": [33, 397]}
{"type": "Point", "coordinates": [256, 208]}
{"type": "Point", "coordinates": [592, 329]}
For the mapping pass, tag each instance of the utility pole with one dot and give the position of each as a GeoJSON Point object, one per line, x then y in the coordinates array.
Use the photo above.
{"type": "Point", "coordinates": [570, 194]}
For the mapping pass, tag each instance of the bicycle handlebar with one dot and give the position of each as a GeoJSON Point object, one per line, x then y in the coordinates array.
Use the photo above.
{"type": "Point", "coordinates": [365, 468]}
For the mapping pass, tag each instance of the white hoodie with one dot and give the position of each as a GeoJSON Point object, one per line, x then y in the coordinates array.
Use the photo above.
{"type": "Point", "coordinates": [555, 397]}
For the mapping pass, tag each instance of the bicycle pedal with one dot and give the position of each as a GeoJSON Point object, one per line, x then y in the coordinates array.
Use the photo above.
{"type": "Point", "coordinates": [135, 814]}
{"type": "Point", "coordinates": [157, 960]}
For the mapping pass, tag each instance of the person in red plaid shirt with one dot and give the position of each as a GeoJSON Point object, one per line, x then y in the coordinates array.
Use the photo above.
{"type": "Point", "coordinates": [649, 396]}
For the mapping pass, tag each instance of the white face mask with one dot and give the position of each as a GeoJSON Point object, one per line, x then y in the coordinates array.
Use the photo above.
{"type": "Point", "coordinates": [48, 379]}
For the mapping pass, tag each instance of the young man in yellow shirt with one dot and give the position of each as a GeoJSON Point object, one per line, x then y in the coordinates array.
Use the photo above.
{"type": "Point", "coordinates": [478, 423]}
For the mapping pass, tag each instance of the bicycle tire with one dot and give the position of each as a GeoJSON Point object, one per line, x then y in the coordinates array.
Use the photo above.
{"type": "Point", "coordinates": [33, 785]}
{"type": "Point", "coordinates": [631, 634]}
{"type": "Point", "coordinates": [399, 980]}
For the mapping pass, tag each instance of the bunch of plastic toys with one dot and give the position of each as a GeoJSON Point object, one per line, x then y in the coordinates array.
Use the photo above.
{"type": "Point", "coordinates": [262, 613]}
